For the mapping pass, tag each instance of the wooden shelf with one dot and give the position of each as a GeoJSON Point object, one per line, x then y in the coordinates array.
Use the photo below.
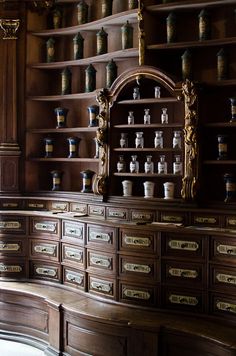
{"type": "Point", "coordinates": [146, 149]}
{"type": "Point", "coordinates": [59, 97]}
{"type": "Point", "coordinates": [150, 175]}
{"type": "Point", "coordinates": [63, 130]}
{"type": "Point", "coordinates": [148, 101]}
{"type": "Point", "coordinates": [150, 126]}
{"type": "Point", "coordinates": [188, 4]}
{"type": "Point", "coordinates": [220, 162]}
{"type": "Point", "coordinates": [62, 159]}
{"type": "Point", "coordinates": [220, 124]}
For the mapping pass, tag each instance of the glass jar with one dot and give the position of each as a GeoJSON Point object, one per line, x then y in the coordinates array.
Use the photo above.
{"type": "Point", "coordinates": [158, 140]}
{"type": "Point", "coordinates": [147, 117]}
{"type": "Point", "coordinates": [164, 116]}
{"type": "Point", "coordinates": [123, 140]}
{"type": "Point", "coordinates": [131, 118]}
{"type": "Point", "coordinates": [149, 165]}
{"type": "Point", "coordinates": [139, 140]}
{"type": "Point", "coordinates": [177, 165]}
{"type": "Point", "coordinates": [177, 142]}
{"type": "Point", "coordinates": [162, 165]}
{"type": "Point", "coordinates": [134, 165]}
{"type": "Point", "coordinates": [121, 165]}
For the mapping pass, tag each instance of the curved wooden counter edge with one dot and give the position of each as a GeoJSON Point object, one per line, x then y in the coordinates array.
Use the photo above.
{"type": "Point", "coordinates": [63, 318]}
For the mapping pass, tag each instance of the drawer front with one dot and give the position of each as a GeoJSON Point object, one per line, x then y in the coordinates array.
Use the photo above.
{"type": "Point", "coordinates": [43, 226]}
{"type": "Point", "coordinates": [223, 249]}
{"type": "Point", "coordinates": [73, 255]}
{"type": "Point", "coordinates": [139, 268]}
{"type": "Point", "coordinates": [12, 225]}
{"type": "Point", "coordinates": [206, 220]}
{"type": "Point", "coordinates": [173, 217]}
{"type": "Point", "coordinates": [44, 250]}
{"type": "Point", "coordinates": [58, 206]}
{"type": "Point", "coordinates": [11, 204]}
{"type": "Point", "coordinates": [183, 299]}
{"type": "Point", "coordinates": [184, 246]}
{"type": "Point", "coordinates": [36, 205]}
{"type": "Point", "coordinates": [223, 278]}
{"type": "Point", "coordinates": [139, 294]}
{"type": "Point", "coordinates": [191, 275]}
{"type": "Point", "coordinates": [42, 270]}
{"type": "Point", "coordinates": [102, 286]}
{"type": "Point", "coordinates": [143, 215]}
{"type": "Point", "coordinates": [230, 222]}
{"type": "Point", "coordinates": [73, 230]}
{"type": "Point", "coordinates": [101, 236]}
{"type": "Point", "coordinates": [96, 211]}
{"type": "Point", "coordinates": [74, 278]}
{"type": "Point", "coordinates": [101, 262]}
{"type": "Point", "coordinates": [135, 240]}
{"type": "Point", "coordinates": [12, 247]}
{"type": "Point", "coordinates": [79, 208]}
{"type": "Point", "coordinates": [117, 213]}
{"type": "Point", "coordinates": [223, 305]}
{"type": "Point", "coordinates": [13, 269]}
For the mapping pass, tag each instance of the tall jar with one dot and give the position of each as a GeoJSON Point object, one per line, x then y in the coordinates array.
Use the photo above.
{"type": "Point", "coordinates": [177, 165]}
{"type": "Point", "coordinates": [186, 65]}
{"type": "Point", "coordinates": [162, 165]}
{"type": "Point", "coordinates": [111, 73]}
{"type": "Point", "coordinates": [66, 81]}
{"type": "Point", "coordinates": [204, 25]}
{"type": "Point", "coordinates": [171, 28]}
{"type": "Point", "coordinates": [147, 117]}
{"type": "Point", "coordinates": [93, 112]}
{"type": "Point", "coordinates": [106, 8]}
{"type": "Point", "coordinates": [78, 46]}
{"type": "Point", "coordinates": [61, 117]}
{"type": "Point", "coordinates": [87, 176]}
{"type": "Point", "coordinates": [121, 165]}
{"type": "Point", "coordinates": [56, 18]}
{"type": "Point", "coordinates": [222, 147]}
{"type": "Point", "coordinates": [177, 142]}
{"type": "Point", "coordinates": [164, 116]}
{"type": "Point", "coordinates": [101, 41]}
{"type": "Point", "coordinates": [158, 140]}
{"type": "Point", "coordinates": [123, 140]}
{"type": "Point", "coordinates": [134, 164]}
{"type": "Point", "coordinates": [148, 165]}
{"type": "Point", "coordinates": [127, 36]}
{"type": "Point", "coordinates": [82, 12]}
{"type": "Point", "coordinates": [131, 118]}
{"type": "Point", "coordinates": [90, 78]}
{"type": "Point", "coordinates": [139, 140]}
{"type": "Point", "coordinates": [222, 65]}
{"type": "Point", "coordinates": [132, 4]}
{"type": "Point", "coordinates": [48, 141]}
{"type": "Point", "coordinates": [73, 146]}
{"type": "Point", "coordinates": [50, 50]}
{"type": "Point", "coordinates": [233, 109]}
{"type": "Point", "coordinates": [230, 187]}
{"type": "Point", "coordinates": [56, 179]}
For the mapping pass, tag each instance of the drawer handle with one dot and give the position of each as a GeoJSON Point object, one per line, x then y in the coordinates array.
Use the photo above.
{"type": "Point", "coordinates": [95, 236]}
{"type": "Point", "coordinates": [10, 224]}
{"type": "Point", "coordinates": [46, 271]}
{"type": "Point", "coordinates": [74, 254]}
{"type": "Point", "coordinates": [226, 250]}
{"type": "Point", "coordinates": [183, 245]}
{"type": "Point", "coordinates": [49, 250]}
{"type": "Point", "coordinates": [107, 288]}
{"type": "Point", "coordinates": [224, 306]}
{"type": "Point", "coordinates": [183, 299]}
{"type": "Point", "coordinates": [45, 227]}
{"type": "Point", "coordinates": [74, 278]}
{"type": "Point", "coordinates": [226, 278]}
{"type": "Point", "coordinates": [136, 294]}
{"type": "Point", "coordinates": [100, 261]}
{"type": "Point", "coordinates": [137, 241]}
{"type": "Point", "coordinates": [11, 269]}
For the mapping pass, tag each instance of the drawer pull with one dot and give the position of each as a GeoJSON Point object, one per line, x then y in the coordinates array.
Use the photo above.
{"type": "Point", "coordinates": [226, 250]}
{"type": "Point", "coordinates": [172, 218]}
{"type": "Point", "coordinates": [11, 269]}
{"type": "Point", "coordinates": [142, 216]}
{"type": "Point", "coordinates": [35, 205]}
{"type": "Point", "coordinates": [74, 231]}
{"type": "Point", "coordinates": [71, 277]}
{"type": "Point", "coordinates": [137, 268]}
{"type": "Point", "coordinates": [75, 254]}
{"type": "Point", "coordinates": [51, 227]}
{"type": "Point", "coordinates": [229, 307]}
{"type": "Point", "coordinates": [183, 245]}
{"type": "Point", "coordinates": [9, 247]}
{"type": "Point", "coordinates": [46, 271]}
{"type": "Point", "coordinates": [205, 220]}
{"type": "Point", "coordinates": [101, 286]}
{"type": "Point", "coordinates": [101, 261]}
{"type": "Point", "coordinates": [59, 206]}
{"type": "Point", "coordinates": [137, 241]}
{"type": "Point", "coordinates": [10, 225]}
{"type": "Point", "coordinates": [48, 250]}
{"type": "Point", "coordinates": [136, 294]}
{"type": "Point", "coordinates": [96, 236]}
{"type": "Point", "coordinates": [226, 278]}
{"type": "Point", "coordinates": [97, 211]}
{"type": "Point", "coordinates": [183, 273]}
{"type": "Point", "coordinates": [183, 299]}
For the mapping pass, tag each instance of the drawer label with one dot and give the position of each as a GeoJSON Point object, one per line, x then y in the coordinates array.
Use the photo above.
{"type": "Point", "coordinates": [137, 268]}
{"type": "Point", "coordinates": [36, 205]}
{"type": "Point", "coordinates": [10, 205]}
{"type": "Point", "coordinates": [136, 294]}
{"type": "Point", "coordinates": [11, 269]}
{"type": "Point", "coordinates": [102, 286]}
{"type": "Point", "coordinates": [97, 210]}
{"type": "Point", "coordinates": [205, 220]}
{"type": "Point", "coordinates": [117, 214]}
{"type": "Point", "coordinates": [46, 249]}
{"type": "Point", "coordinates": [231, 221]}
{"type": "Point", "coordinates": [59, 206]}
{"type": "Point", "coordinates": [51, 227]}
{"type": "Point", "coordinates": [183, 245]}
{"type": "Point", "coordinates": [172, 218]}
{"type": "Point", "coordinates": [142, 216]}
{"type": "Point", "coordinates": [46, 271]}
{"type": "Point", "coordinates": [74, 230]}
{"type": "Point", "coordinates": [100, 261]}
{"type": "Point", "coordinates": [182, 272]}
{"type": "Point", "coordinates": [229, 307]}
{"type": "Point", "coordinates": [10, 225]}
{"type": "Point", "coordinates": [9, 247]}
{"type": "Point", "coordinates": [183, 299]}
{"type": "Point", "coordinates": [99, 236]}
{"type": "Point", "coordinates": [73, 253]}
{"type": "Point", "coordinates": [75, 277]}
{"type": "Point", "coordinates": [137, 241]}
{"type": "Point", "coordinates": [226, 278]}
{"type": "Point", "coordinates": [79, 208]}
{"type": "Point", "coordinates": [226, 250]}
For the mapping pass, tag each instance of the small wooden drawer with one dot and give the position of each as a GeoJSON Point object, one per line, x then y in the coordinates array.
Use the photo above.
{"type": "Point", "coordinates": [45, 250]}
{"type": "Point", "coordinates": [79, 208]}
{"type": "Point", "coordinates": [143, 269]}
{"type": "Point", "coordinates": [73, 255]}
{"type": "Point", "coordinates": [102, 286]}
{"type": "Point", "coordinates": [12, 247]}
{"type": "Point", "coordinates": [12, 225]}
{"type": "Point", "coordinates": [73, 230]}
{"type": "Point", "coordinates": [45, 226]}
{"type": "Point", "coordinates": [223, 278]}
{"type": "Point", "coordinates": [223, 249]}
{"type": "Point", "coordinates": [140, 294]}
{"type": "Point", "coordinates": [100, 262]}
{"type": "Point", "coordinates": [223, 305]}
{"type": "Point", "coordinates": [101, 236]}
{"type": "Point", "coordinates": [11, 204]}
{"type": "Point", "coordinates": [230, 222]}
{"type": "Point", "coordinates": [97, 210]}
{"type": "Point", "coordinates": [36, 205]}
{"type": "Point", "coordinates": [46, 271]}
{"type": "Point", "coordinates": [188, 300]}
{"type": "Point", "coordinates": [117, 213]}
{"type": "Point", "coordinates": [13, 269]}
{"type": "Point", "coordinates": [192, 275]}
{"type": "Point", "coordinates": [136, 240]}
{"type": "Point", "coordinates": [206, 220]}
{"type": "Point", "coordinates": [74, 278]}
{"type": "Point", "coordinates": [184, 246]}
{"type": "Point", "coordinates": [173, 217]}
{"type": "Point", "coordinates": [143, 215]}
{"type": "Point", "coordinates": [58, 206]}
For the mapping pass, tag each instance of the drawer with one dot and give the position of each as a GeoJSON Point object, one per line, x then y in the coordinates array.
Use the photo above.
{"type": "Point", "coordinates": [192, 275]}
{"type": "Point", "coordinates": [173, 217]}
{"type": "Point", "coordinates": [101, 236]}
{"type": "Point", "coordinates": [102, 286]}
{"type": "Point", "coordinates": [58, 206]}
{"type": "Point", "coordinates": [143, 269]}
{"type": "Point", "coordinates": [223, 305]}
{"type": "Point", "coordinates": [223, 249]}
{"type": "Point", "coordinates": [13, 269]}
{"type": "Point", "coordinates": [117, 213]}
{"type": "Point", "coordinates": [73, 255]}
{"type": "Point", "coordinates": [44, 250]}
{"type": "Point", "coordinates": [78, 208]}
{"type": "Point", "coordinates": [98, 262]}
{"type": "Point", "coordinates": [206, 220]}
{"type": "Point", "coordinates": [184, 246]}
{"type": "Point", "coordinates": [74, 278]}
{"type": "Point", "coordinates": [230, 222]}
{"type": "Point", "coordinates": [45, 271]}
{"type": "Point", "coordinates": [143, 215]}
{"type": "Point", "coordinates": [74, 231]}
{"type": "Point", "coordinates": [36, 205]}
{"type": "Point", "coordinates": [182, 299]}
{"type": "Point", "coordinates": [12, 225]}
{"type": "Point", "coordinates": [138, 241]}
{"type": "Point", "coordinates": [11, 204]}
{"type": "Point", "coordinates": [138, 294]}
{"type": "Point", "coordinates": [44, 226]}
{"type": "Point", "coordinates": [223, 278]}
{"type": "Point", "coordinates": [97, 211]}
{"type": "Point", "coordinates": [12, 247]}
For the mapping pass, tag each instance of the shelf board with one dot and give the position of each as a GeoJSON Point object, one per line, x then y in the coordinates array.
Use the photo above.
{"type": "Point", "coordinates": [114, 20]}
{"type": "Point", "coordinates": [145, 126]}
{"type": "Point", "coordinates": [148, 101]}
{"type": "Point", "coordinates": [188, 4]}
{"type": "Point", "coordinates": [77, 96]}
{"type": "Point", "coordinates": [221, 83]}
{"type": "Point", "coordinates": [193, 44]}
{"type": "Point", "coordinates": [220, 124]}
{"type": "Point", "coordinates": [119, 55]}
{"type": "Point", "coordinates": [63, 130]}
{"type": "Point", "coordinates": [150, 175]}
{"type": "Point", "coordinates": [146, 149]}
{"type": "Point", "coordinates": [63, 159]}
{"type": "Point", "coordinates": [220, 162]}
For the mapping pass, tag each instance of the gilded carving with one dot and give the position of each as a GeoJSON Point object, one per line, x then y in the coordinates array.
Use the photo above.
{"type": "Point", "coordinates": [10, 28]}
{"type": "Point", "coordinates": [141, 34]}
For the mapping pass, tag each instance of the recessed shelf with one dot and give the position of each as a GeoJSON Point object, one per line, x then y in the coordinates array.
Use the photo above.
{"type": "Point", "coordinates": [150, 126]}
{"type": "Point", "coordinates": [188, 4]}
{"type": "Point", "coordinates": [63, 130]}
{"type": "Point", "coordinates": [220, 124]}
{"type": "Point", "coordinates": [148, 101]}
{"type": "Point", "coordinates": [146, 149]}
{"type": "Point", "coordinates": [150, 175]}
{"type": "Point", "coordinates": [61, 159]}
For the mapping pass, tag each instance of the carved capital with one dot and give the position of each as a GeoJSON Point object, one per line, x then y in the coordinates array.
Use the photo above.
{"type": "Point", "coordinates": [10, 28]}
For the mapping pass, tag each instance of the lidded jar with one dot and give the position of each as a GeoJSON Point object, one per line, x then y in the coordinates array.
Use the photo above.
{"type": "Point", "coordinates": [149, 165]}
{"type": "Point", "coordinates": [101, 41]}
{"type": "Point", "coordinates": [164, 116]}
{"type": "Point", "coordinates": [147, 117]}
{"type": "Point", "coordinates": [48, 147]}
{"type": "Point", "coordinates": [82, 12]}
{"type": "Point", "coordinates": [177, 140]}
{"type": "Point", "coordinates": [139, 140]}
{"type": "Point", "coordinates": [233, 109]}
{"type": "Point", "coordinates": [136, 93]}
{"type": "Point", "coordinates": [131, 118]}
{"type": "Point", "coordinates": [90, 78]}
{"type": "Point", "coordinates": [186, 65]}
{"type": "Point", "coordinates": [93, 112]}
{"type": "Point", "coordinates": [204, 25]}
{"type": "Point", "coordinates": [132, 4]}
{"type": "Point", "coordinates": [123, 140]}
{"type": "Point", "coordinates": [61, 116]}
{"type": "Point", "coordinates": [87, 176]}
{"type": "Point", "coordinates": [222, 65]}
{"type": "Point", "coordinates": [121, 165]}
{"type": "Point", "coordinates": [111, 73]}
{"type": "Point", "coordinates": [73, 146]}
{"type": "Point", "coordinates": [171, 27]}
{"type": "Point", "coordinates": [162, 165]}
{"type": "Point", "coordinates": [134, 164]}
{"type": "Point", "coordinates": [50, 50]}
{"type": "Point", "coordinates": [56, 18]}
{"type": "Point", "coordinates": [177, 165]}
{"type": "Point", "coordinates": [66, 81]}
{"type": "Point", "coordinates": [56, 179]}
{"type": "Point", "coordinates": [126, 36]}
{"type": "Point", "coordinates": [230, 187]}
{"type": "Point", "coordinates": [106, 8]}
{"type": "Point", "coordinates": [78, 46]}
{"type": "Point", "coordinates": [158, 140]}
{"type": "Point", "coordinates": [222, 147]}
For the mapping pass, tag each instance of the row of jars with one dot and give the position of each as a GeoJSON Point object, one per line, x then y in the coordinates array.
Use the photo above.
{"type": "Point", "coordinates": [87, 176]}
{"type": "Point", "coordinates": [61, 116]}
{"type": "Point", "coordinates": [158, 140]}
{"type": "Point", "coordinates": [168, 187]}
{"type": "Point", "coordinates": [147, 117]}
{"type": "Point", "coordinates": [101, 47]}
{"type": "Point", "coordinates": [162, 166]}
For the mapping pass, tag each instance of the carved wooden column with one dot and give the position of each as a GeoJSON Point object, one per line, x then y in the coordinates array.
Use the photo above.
{"type": "Point", "coordinates": [9, 148]}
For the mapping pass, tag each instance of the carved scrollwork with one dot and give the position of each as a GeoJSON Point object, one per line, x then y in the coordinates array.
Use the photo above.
{"type": "Point", "coordinates": [10, 28]}
{"type": "Point", "coordinates": [141, 34]}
